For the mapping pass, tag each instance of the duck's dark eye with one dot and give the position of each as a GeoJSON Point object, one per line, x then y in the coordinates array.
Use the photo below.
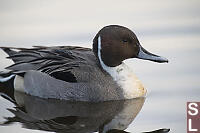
{"type": "Point", "coordinates": [125, 40]}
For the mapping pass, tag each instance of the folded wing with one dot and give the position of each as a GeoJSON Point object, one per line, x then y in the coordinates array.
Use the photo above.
{"type": "Point", "coordinates": [62, 62]}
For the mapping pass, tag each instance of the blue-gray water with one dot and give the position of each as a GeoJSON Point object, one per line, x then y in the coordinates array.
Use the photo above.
{"type": "Point", "coordinates": [168, 28]}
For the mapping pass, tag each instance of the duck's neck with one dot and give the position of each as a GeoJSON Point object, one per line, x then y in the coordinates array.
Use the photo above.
{"type": "Point", "coordinates": [124, 77]}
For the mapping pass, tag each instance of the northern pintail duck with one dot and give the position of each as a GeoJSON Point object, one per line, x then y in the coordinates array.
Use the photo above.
{"type": "Point", "coordinates": [82, 74]}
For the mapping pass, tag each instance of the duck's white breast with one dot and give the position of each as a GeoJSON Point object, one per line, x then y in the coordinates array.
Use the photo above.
{"type": "Point", "coordinates": [126, 79]}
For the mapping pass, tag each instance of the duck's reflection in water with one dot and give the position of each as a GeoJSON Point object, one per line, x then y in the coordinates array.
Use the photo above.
{"type": "Point", "coordinates": [74, 117]}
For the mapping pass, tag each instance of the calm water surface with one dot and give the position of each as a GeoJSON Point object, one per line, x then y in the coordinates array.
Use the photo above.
{"type": "Point", "coordinates": [168, 28]}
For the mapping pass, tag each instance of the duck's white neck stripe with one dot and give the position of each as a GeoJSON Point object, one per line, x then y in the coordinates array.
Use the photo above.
{"type": "Point", "coordinates": [104, 66]}
{"type": "Point", "coordinates": [124, 77]}
{"type": "Point", "coordinates": [99, 54]}
{"type": "Point", "coordinates": [99, 50]}
{"type": "Point", "coordinates": [110, 70]}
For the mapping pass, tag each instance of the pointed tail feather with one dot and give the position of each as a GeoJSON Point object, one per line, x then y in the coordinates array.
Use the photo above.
{"type": "Point", "coordinates": [8, 50]}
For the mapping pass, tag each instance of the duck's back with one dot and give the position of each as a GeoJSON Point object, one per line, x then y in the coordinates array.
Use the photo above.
{"type": "Point", "coordinates": [70, 73]}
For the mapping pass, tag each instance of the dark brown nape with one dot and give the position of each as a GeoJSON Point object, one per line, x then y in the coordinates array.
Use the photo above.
{"type": "Point", "coordinates": [117, 44]}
